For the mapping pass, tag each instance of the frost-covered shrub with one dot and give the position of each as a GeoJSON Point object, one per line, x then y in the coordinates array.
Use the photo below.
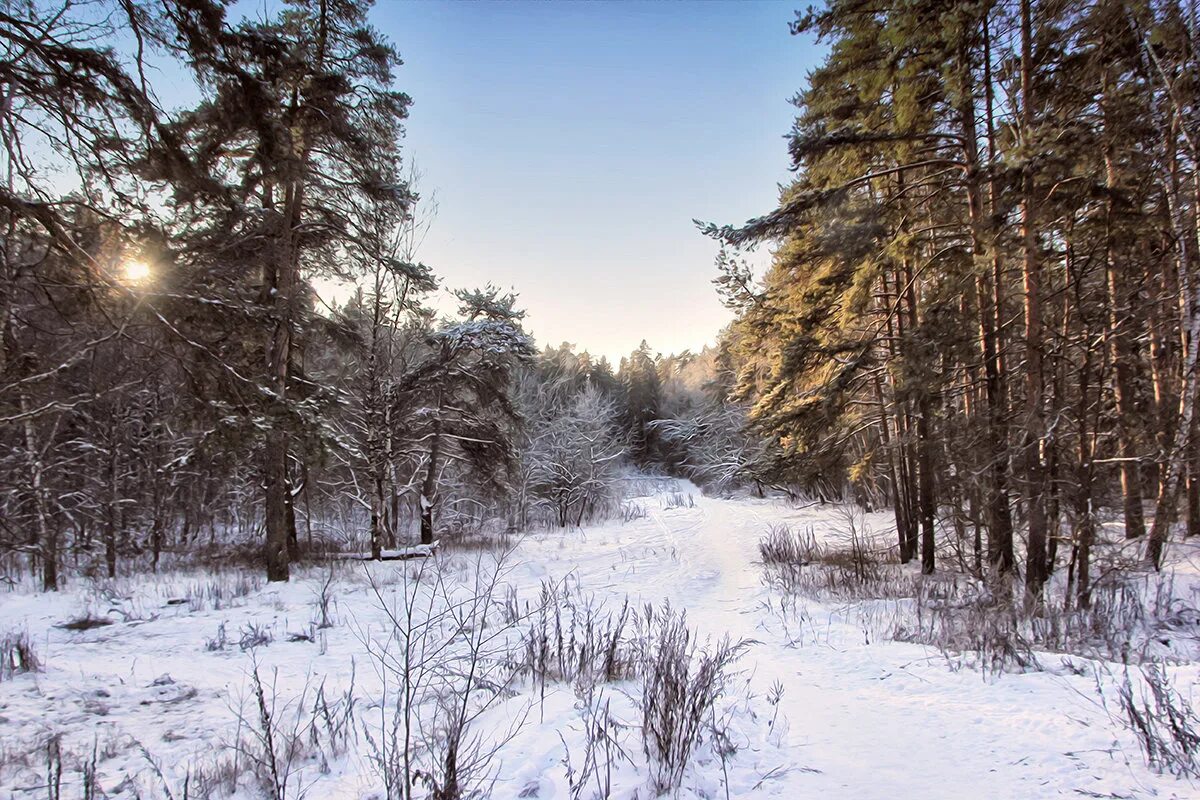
{"type": "Point", "coordinates": [783, 546]}
{"type": "Point", "coordinates": [591, 774]}
{"type": "Point", "coordinates": [222, 591]}
{"type": "Point", "coordinates": [282, 739]}
{"type": "Point", "coordinates": [254, 635]}
{"type": "Point", "coordinates": [574, 456]}
{"type": "Point", "coordinates": [1163, 721]}
{"type": "Point", "coordinates": [709, 443]}
{"type": "Point", "coordinates": [969, 627]}
{"type": "Point", "coordinates": [995, 628]}
{"type": "Point", "coordinates": [851, 567]}
{"type": "Point", "coordinates": [679, 500]}
{"type": "Point", "coordinates": [572, 638]}
{"type": "Point", "coordinates": [576, 639]}
{"type": "Point", "coordinates": [17, 655]}
{"type": "Point", "coordinates": [447, 657]}
{"type": "Point", "coordinates": [630, 512]}
{"type": "Point", "coordinates": [683, 680]}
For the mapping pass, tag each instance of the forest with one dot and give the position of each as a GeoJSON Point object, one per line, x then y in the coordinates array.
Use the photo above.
{"type": "Point", "coordinates": [172, 381]}
{"type": "Point", "coordinates": [983, 304]}
{"type": "Point", "coordinates": [955, 413]}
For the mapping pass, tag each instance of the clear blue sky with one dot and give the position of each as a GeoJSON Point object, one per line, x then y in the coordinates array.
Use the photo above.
{"type": "Point", "coordinates": [570, 145]}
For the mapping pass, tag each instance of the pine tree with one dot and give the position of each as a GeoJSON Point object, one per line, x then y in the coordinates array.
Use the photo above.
{"type": "Point", "coordinates": [300, 132]}
{"type": "Point", "coordinates": [639, 375]}
{"type": "Point", "coordinates": [966, 226]}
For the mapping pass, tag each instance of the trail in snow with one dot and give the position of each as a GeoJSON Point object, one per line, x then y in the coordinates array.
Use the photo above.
{"type": "Point", "coordinates": [867, 719]}
{"type": "Point", "coordinates": [860, 718]}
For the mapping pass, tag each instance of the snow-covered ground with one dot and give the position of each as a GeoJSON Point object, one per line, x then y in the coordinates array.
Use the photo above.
{"type": "Point", "coordinates": [859, 716]}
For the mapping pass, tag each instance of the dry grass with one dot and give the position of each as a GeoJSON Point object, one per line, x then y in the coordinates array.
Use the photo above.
{"type": "Point", "coordinates": [684, 678]}
{"type": "Point", "coordinates": [573, 638]}
{"type": "Point", "coordinates": [1133, 618]}
{"type": "Point", "coordinates": [222, 591]}
{"type": "Point", "coordinates": [1162, 720]}
{"type": "Point", "coordinates": [855, 567]}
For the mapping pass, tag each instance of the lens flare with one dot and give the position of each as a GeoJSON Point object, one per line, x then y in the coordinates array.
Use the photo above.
{"type": "Point", "coordinates": [136, 271]}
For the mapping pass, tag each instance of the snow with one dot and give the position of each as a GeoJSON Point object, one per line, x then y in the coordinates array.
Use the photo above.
{"type": "Point", "coordinates": [860, 716]}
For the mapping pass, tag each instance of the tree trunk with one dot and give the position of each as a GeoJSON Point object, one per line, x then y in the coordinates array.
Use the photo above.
{"type": "Point", "coordinates": [112, 521]}
{"type": "Point", "coordinates": [1035, 558]}
{"type": "Point", "coordinates": [378, 512]}
{"type": "Point", "coordinates": [392, 504]}
{"type": "Point", "coordinates": [1000, 534]}
{"type": "Point", "coordinates": [1193, 480]}
{"type": "Point", "coordinates": [885, 440]}
{"type": "Point", "coordinates": [156, 541]}
{"type": "Point", "coordinates": [1120, 322]}
{"type": "Point", "coordinates": [926, 505]}
{"type": "Point", "coordinates": [925, 485]}
{"type": "Point", "coordinates": [1189, 313]}
{"type": "Point", "coordinates": [429, 487]}
{"type": "Point", "coordinates": [906, 320]}
{"type": "Point", "coordinates": [992, 324]}
{"type": "Point", "coordinates": [293, 534]}
{"type": "Point", "coordinates": [1053, 511]}
{"type": "Point", "coordinates": [1176, 455]}
{"type": "Point", "coordinates": [1085, 530]}
{"type": "Point", "coordinates": [275, 477]}
{"type": "Point", "coordinates": [281, 288]}
{"type": "Point", "coordinates": [45, 535]}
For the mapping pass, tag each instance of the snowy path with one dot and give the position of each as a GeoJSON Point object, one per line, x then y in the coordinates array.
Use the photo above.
{"type": "Point", "coordinates": [883, 720]}
{"type": "Point", "coordinates": [859, 719]}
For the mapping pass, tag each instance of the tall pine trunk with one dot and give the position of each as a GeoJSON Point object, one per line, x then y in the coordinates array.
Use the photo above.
{"type": "Point", "coordinates": [992, 342]}
{"type": "Point", "coordinates": [1120, 323]}
{"type": "Point", "coordinates": [995, 489]}
{"type": "Point", "coordinates": [1193, 479]}
{"type": "Point", "coordinates": [1189, 301]}
{"type": "Point", "coordinates": [1035, 481]}
{"type": "Point", "coordinates": [905, 486]}
{"type": "Point", "coordinates": [923, 457]}
{"type": "Point", "coordinates": [281, 298]}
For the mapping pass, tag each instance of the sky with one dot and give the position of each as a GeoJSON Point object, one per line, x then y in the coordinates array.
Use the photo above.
{"type": "Point", "coordinates": [569, 146]}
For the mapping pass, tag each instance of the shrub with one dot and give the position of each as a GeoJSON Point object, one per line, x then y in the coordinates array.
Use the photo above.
{"type": "Point", "coordinates": [324, 600]}
{"type": "Point", "coordinates": [576, 639]}
{"type": "Point", "coordinates": [969, 626]}
{"type": "Point", "coordinates": [602, 747]}
{"type": "Point", "coordinates": [1163, 721]}
{"type": "Point", "coordinates": [445, 662]}
{"type": "Point", "coordinates": [853, 568]}
{"type": "Point", "coordinates": [255, 635]}
{"type": "Point", "coordinates": [223, 591]}
{"type": "Point", "coordinates": [679, 500]}
{"type": "Point", "coordinates": [17, 655]}
{"type": "Point", "coordinates": [631, 512]}
{"type": "Point", "coordinates": [781, 547]}
{"type": "Point", "coordinates": [1129, 620]}
{"type": "Point", "coordinates": [683, 681]}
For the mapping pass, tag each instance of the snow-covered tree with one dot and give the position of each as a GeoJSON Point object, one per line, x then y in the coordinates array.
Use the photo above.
{"type": "Point", "coordinates": [453, 404]}
{"type": "Point", "coordinates": [574, 456]}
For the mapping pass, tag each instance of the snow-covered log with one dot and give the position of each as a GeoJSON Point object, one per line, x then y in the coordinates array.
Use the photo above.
{"type": "Point", "coordinates": [400, 554]}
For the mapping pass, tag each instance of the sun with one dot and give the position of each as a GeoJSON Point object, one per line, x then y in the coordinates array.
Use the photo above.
{"type": "Point", "coordinates": [136, 271]}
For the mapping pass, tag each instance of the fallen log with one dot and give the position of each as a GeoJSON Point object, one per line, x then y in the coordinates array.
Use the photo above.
{"type": "Point", "coordinates": [400, 554]}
